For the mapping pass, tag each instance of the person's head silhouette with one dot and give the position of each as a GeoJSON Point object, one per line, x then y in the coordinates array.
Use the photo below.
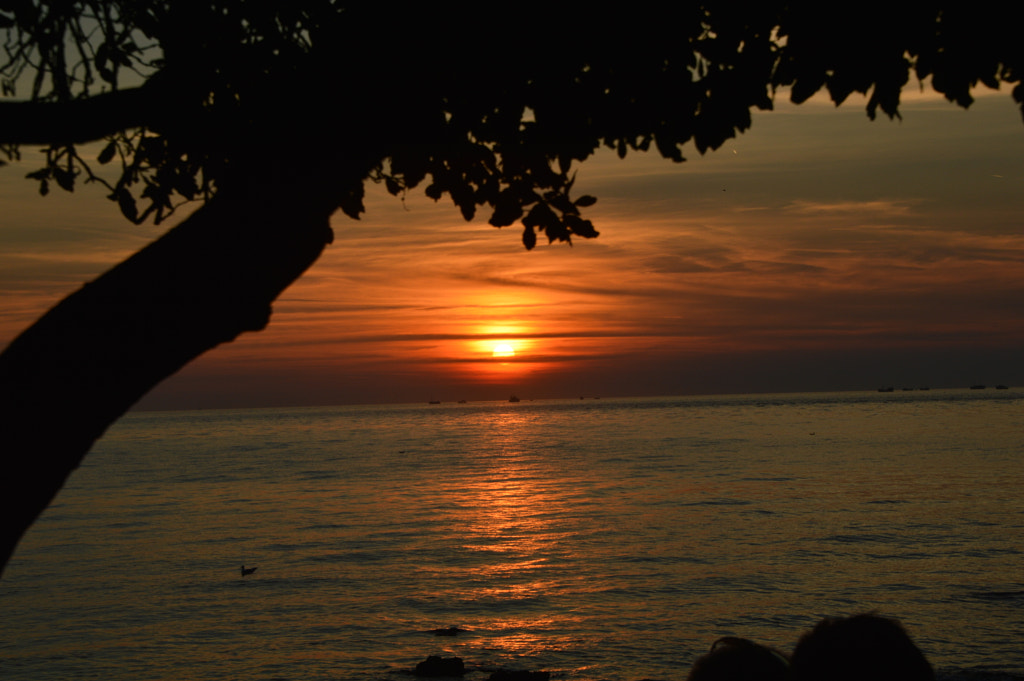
{"type": "Point", "coordinates": [862, 647]}
{"type": "Point", "coordinates": [739, 659]}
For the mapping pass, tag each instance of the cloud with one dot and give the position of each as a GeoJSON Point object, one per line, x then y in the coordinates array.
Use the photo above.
{"type": "Point", "coordinates": [867, 209]}
{"type": "Point", "coordinates": [833, 235]}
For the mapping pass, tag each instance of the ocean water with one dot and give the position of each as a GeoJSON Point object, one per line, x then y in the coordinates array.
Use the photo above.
{"type": "Point", "coordinates": [595, 539]}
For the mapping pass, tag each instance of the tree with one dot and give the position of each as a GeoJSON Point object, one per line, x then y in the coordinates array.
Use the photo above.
{"type": "Point", "coordinates": [275, 115]}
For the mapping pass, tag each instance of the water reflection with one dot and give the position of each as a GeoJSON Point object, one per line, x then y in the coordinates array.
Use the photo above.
{"type": "Point", "coordinates": [618, 536]}
{"type": "Point", "coordinates": [520, 524]}
{"type": "Point", "coordinates": [511, 501]}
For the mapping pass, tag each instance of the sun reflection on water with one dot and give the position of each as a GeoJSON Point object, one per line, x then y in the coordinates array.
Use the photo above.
{"type": "Point", "coordinates": [517, 519]}
{"type": "Point", "coordinates": [513, 505]}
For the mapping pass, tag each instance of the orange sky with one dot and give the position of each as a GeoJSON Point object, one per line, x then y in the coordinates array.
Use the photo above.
{"type": "Point", "coordinates": [818, 251]}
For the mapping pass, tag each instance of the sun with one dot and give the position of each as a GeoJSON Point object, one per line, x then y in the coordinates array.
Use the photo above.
{"type": "Point", "coordinates": [504, 350]}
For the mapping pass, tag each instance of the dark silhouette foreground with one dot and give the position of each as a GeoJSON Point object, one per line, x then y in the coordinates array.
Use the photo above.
{"type": "Point", "coordinates": [435, 666]}
{"type": "Point", "coordinates": [740, 659]}
{"type": "Point", "coordinates": [865, 647]}
{"type": "Point", "coordinates": [859, 648]}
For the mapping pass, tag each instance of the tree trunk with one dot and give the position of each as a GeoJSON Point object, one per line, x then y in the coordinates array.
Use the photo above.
{"type": "Point", "coordinates": [82, 365]}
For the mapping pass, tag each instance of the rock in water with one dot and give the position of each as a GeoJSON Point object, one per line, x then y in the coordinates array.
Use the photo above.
{"type": "Point", "coordinates": [441, 666]}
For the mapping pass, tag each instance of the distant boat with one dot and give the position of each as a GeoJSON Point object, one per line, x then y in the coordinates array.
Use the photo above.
{"type": "Point", "coordinates": [462, 401]}
{"type": "Point", "coordinates": [886, 389]}
{"type": "Point", "coordinates": [248, 571]}
{"type": "Point", "coordinates": [513, 399]}
{"type": "Point", "coordinates": [434, 402]}
{"type": "Point", "coordinates": [1002, 387]}
{"type": "Point", "coordinates": [977, 387]}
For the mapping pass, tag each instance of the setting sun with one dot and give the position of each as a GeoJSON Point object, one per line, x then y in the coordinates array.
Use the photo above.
{"type": "Point", "coordinates": [504, 350]}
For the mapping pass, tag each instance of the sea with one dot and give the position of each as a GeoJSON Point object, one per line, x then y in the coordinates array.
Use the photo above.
{"type": "Point", "coordinates": [595, 539]}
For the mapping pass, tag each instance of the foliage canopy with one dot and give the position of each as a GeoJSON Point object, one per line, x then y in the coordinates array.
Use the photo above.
{"type": "Point", "coordinates": [187, 95]}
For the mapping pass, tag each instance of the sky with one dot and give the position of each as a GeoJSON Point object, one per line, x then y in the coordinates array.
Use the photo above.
{"type": "Point", "coordinates": [818, 251]}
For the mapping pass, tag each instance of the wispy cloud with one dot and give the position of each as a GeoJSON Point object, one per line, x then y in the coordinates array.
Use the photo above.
{"type": "Point", "coordinates": [813, 233]}
{"type": "Point", "coordinates": [874, 209]}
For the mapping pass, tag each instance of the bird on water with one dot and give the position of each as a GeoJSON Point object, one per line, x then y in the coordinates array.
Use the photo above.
{"type": "Point", "coordinates": [247, 571]}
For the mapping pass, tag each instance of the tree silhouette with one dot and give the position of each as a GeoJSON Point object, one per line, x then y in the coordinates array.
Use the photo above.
{"type": "Point", "coordinates": [275, 115]}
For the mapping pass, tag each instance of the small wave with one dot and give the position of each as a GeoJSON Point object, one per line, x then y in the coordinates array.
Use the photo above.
{"type": "Point", "coordinates": [997, 596]}
{"type": "Point", "coordinates": [908, 555]}
{"type": "Point", "coordinates": [989, 552]}
{"type": "Point", "coordinates": [326, 526]}
{"type": "Point", "coordinates": [317, 475]}
{"type": "Point", "coordinates": [477, 605]}
{"type": "Point", "coordinates": [211, 479]}
{"type": "Point", "coordinates": [858, 538]}
{"type": "Point", "coordinates": [665, 560]}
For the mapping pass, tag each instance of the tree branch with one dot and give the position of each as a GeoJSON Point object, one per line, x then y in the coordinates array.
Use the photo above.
{"type": "Point", "coordinates": [79, 120]}
{"type": "Point", "coordinates": [74, 372]}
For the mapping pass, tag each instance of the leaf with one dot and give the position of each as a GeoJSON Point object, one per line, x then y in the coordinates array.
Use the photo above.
{"type": "Point", "coordinates": [540, 216]}
{"type": "Point", "coordinates": [561, 202]}
{"type": "Point", "coordinates": [434, 191]}
{"type": "Point", "coordinates": [462, 196]}
{"type": "Point", "coordinates": [507, 209]}
{"type": "Point", "coordinates": [581, 227]}
{"type": "Point", "coordinates": [108, 153]}
{"type": "Point", "coordinates": [44, 188]}
{"type": "Point", "coordinates": [529, 238]}
{"type": "Point", "coordinates": [157, 193]}
{"type": "Point", "coordinates": [805, 87]}
{"type": "Point", "coordinates": [585, 201]}
{"type": "Point", "coordinates": [64, 178]}
{"type": "Point", "coordinates": [127, 204]}
{"type": "Point", "coordinates": [557, 231]}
